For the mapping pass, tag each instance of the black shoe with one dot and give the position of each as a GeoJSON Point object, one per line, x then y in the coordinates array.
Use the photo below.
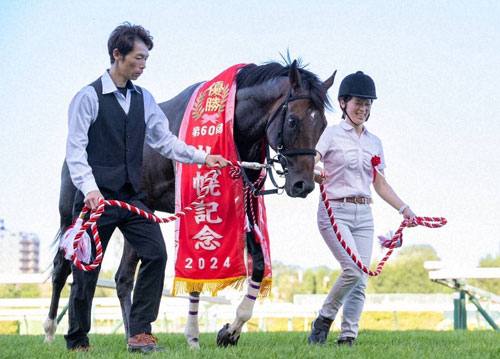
{"type": "Point", "coordinates": [319, 330]}
{"type": "Point", "coordinates": [349, 341]}
{"type": "Point", "coordinates": [80, 348]}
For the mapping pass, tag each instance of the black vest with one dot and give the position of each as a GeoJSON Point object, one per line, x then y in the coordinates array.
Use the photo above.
{"type": "Point", "coordinates": [116, 142]}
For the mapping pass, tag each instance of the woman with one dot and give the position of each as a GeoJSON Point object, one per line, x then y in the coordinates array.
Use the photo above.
{"type": "Point", "coordinates": [349, 153]}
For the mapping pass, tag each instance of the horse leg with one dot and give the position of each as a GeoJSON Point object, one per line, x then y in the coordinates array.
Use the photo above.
{"type": "Point", "coordinates": [124, 279]}
{"type": "Point", "coordinates": [230, 333]}
{"type": "Point", "coordinates": [62, 269]}
{"type": "Point", "coordinates": [192, 330]}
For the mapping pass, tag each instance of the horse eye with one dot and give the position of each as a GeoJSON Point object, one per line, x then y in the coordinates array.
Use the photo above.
{"type": "Point", "coordinates": [292, 122]}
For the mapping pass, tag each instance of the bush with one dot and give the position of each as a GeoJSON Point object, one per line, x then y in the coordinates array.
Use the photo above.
{"type": "Point", "coordinates": [400, 320]}
{"type": "Point", "coordinates": [9, 327]}
{"type": "Point", "coordinates": [369, 321]}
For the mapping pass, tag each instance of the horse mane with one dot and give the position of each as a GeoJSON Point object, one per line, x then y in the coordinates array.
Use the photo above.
{"type": "Point", "coordinates": [252, 75]}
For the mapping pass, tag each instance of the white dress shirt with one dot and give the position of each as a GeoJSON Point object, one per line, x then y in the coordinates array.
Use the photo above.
{"type": "Point", "coordinates": [347, 159]}
{"type": "Point", "coordinates": [82, 113]}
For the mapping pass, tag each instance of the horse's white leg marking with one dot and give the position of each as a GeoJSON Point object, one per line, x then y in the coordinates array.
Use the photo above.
{"type": "Point", "coordinates": [192, 330]}
{"type": "Point", "coordinates": [49, 326]}
{"type": "Point", "coordinates": [245, 309]}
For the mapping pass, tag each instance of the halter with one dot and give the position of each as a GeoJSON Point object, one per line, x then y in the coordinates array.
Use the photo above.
{"type": "Point", "coordinates": [281, 155]}
{"type": "Point", "coordinates": [283, 108]}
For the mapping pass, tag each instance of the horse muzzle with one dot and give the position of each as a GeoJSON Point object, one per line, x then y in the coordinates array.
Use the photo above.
{"type": "Point", "coordinates": [300, 188]}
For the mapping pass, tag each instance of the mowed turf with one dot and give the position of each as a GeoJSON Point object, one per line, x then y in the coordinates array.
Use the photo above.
{"type": "Point", "coordinates": [370, 344]}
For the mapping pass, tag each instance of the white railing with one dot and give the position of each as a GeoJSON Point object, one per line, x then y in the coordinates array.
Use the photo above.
{"type": "Point", "coordinates": [106, 312]}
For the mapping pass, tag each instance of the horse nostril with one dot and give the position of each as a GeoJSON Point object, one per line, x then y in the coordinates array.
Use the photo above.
{"type": "Point", "coordinates": [298, 187]}
{"type": "Point", "coordinates": [301, 189]}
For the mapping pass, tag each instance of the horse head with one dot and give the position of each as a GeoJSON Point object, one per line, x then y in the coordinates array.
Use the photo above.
{"type": "Point", "coordinates": [295, 126]}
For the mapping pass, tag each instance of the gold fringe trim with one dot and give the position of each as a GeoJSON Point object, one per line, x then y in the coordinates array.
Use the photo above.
{"type": "Point", "coordinates": [186, 285]}
{"type": "Point", "coordinates": [213, 286]}
{"type": "Point", "coordinates": [265, 287]}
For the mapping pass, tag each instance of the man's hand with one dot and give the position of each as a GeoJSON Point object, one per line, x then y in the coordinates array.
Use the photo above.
{"type": "Point", "coordinates": [92, 199]}
{"type": "Point", "coordinates": [212, 160]}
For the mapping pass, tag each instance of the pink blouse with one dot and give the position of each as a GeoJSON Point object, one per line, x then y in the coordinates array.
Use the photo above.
{"type": "Point", "coordinates": [347, 159]}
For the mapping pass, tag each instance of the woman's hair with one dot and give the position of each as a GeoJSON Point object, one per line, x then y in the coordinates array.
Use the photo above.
{"type": "Point", "coordinates": [124, 37]}
{"type": "Point", "coordinates": [346, 98]}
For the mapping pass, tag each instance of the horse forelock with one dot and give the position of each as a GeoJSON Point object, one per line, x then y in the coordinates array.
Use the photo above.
{"type": "Point", "coordinates": [252, 75]}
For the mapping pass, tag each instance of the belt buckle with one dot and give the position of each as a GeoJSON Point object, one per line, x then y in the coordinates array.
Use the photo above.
{"type": "Point", "coordinates": [359, 200]}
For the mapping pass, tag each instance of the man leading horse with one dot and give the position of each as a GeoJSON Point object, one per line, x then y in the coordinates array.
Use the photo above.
{"type": "Point", "coordinates": [109, 121]}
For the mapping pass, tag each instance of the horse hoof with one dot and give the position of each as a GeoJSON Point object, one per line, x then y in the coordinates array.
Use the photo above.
{"type": "Point", "coordinates": [224, 338]}
{"type": "Point", "coordinates": [194, 344]}
{"type": "Point", "coordinates": [49, 327]}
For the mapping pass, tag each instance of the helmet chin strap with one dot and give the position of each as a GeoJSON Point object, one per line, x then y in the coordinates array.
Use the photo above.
{"type": "Point", "coordinates": [346, 114]}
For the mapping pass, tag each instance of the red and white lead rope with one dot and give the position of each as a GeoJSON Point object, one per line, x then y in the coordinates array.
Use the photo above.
{"type": "Point", "coordinates": [235, 172]}
{"type": "Point", "coordinates": [431, 222]}
{"type": "Point", "coordinates": [96, 214]}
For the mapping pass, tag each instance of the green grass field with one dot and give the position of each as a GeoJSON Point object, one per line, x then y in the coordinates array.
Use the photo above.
{"type": "Point", "coordinates": [370, 344]}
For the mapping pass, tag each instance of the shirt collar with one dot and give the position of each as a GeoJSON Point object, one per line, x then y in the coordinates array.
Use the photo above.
{"type": "Point", "coordinates": [348, 127]}
{"type": "Point", "coordinates": [108, 86]}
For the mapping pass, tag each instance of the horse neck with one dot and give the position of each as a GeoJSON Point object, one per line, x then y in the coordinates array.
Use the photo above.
{"type": "Point", "coordinates": [254, 106]}
{"type": "Point", "coordinates": [175, 107]}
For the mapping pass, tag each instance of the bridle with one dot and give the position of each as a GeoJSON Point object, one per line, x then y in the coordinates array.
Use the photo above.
{"type": "Point", "coordinates": [281, 156]}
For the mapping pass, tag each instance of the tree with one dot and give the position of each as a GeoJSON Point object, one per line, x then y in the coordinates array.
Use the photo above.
{"type": "Point", "coordinates": [491, 285]}
{"type": "Point", "coordinates": [19, 291]}
{"type": "Point", "coordinates": [403, 274]}
{"type": "Point", "coordinates": [291, 280]}
{"type": "Point", "coordinates": [406, 273]}
{"type": "Point", "coordinates": [285, 280]}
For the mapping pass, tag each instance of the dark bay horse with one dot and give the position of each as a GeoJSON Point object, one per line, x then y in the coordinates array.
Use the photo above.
{"type": "Point", "coordinates": [284, 105]}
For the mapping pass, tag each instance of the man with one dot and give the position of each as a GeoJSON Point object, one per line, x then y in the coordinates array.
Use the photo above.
{"type": "Point", "coordinates": [109, 120]}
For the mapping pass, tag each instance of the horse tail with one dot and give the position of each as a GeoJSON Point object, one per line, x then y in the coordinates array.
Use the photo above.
{"type": "Point", "coordinates": [66, 199]}
{"type": "Point", "coordinates": [57, 238]}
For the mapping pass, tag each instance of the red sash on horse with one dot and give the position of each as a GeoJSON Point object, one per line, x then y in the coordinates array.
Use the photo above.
{"type": "Point", "coordinates": [210, 241]}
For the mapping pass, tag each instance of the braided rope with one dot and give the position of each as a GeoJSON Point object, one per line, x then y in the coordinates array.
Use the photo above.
{"type": "Point", "coordinates": [96, 214]}
{"type": "Point", "coordinates": [430, 222]}
{"type": "Point", "coordinates": [247, 193]}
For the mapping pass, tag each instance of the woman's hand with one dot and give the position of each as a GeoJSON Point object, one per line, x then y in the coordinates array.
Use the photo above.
{"type": "Point", "coordinates": [410, 216]}
{"type": "Point", "coordinates": [322, 176]}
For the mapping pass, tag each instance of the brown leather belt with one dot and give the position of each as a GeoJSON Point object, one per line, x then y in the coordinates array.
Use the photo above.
{"type": "Point", "coordinates": [359, 200]}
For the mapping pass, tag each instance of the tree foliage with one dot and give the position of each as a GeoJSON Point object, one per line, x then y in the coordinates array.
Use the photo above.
{"type": "Point", "coordinates": [19, 291]}
{"type": "Point", "coordinates": [491, 285]}
{"type": "Point", "coordinates": [403, 274]}
{"type": "Point", "coordinates": [406, 273]}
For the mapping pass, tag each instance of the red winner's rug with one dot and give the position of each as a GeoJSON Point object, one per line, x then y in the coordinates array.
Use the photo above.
{"type": "Point", "coordinates": [210, 241]}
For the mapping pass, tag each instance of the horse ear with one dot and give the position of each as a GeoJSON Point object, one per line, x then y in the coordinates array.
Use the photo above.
{"type": "Point", "coordinates": [329, 82]}
{"type": "Point", "coordinates": [294, 76]}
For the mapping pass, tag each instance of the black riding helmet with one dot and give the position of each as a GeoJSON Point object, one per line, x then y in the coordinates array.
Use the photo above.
{"type": "Point", "coordinates": [358, 85]}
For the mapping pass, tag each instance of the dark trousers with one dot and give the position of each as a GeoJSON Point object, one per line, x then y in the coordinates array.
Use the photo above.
{"type": "Point", "coordinates": [146, 239]}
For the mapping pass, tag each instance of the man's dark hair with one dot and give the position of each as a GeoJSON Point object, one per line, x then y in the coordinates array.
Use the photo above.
{"type": "Point", "coordinates": [124, 37]}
